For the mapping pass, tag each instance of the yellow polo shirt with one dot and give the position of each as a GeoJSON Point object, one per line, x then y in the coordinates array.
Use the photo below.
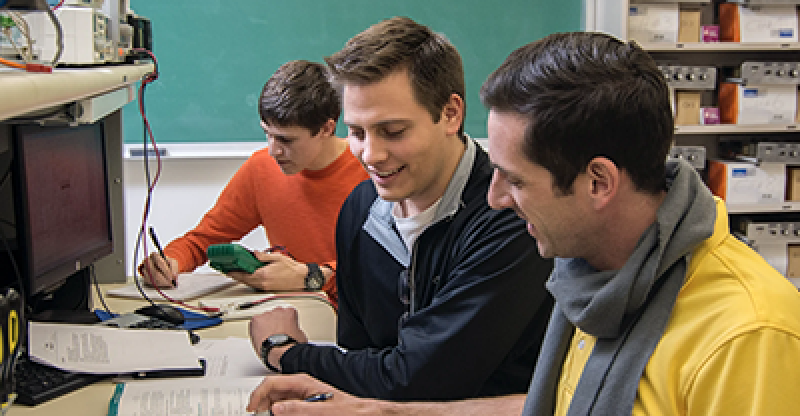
{"type": "Point", "coordinates": [731, 346]}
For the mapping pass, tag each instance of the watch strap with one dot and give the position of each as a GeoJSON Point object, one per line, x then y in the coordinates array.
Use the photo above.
{"type": "Point", "coordinates": [267, 345]}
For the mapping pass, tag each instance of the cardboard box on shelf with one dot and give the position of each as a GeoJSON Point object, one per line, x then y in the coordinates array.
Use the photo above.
{"type": "Point", "coordinates": [746, 183]}
{"type": "Point", "coordinates": [793, 183]}
{"type": "Point", "coordinates": [793, 260]}
{"type": "Point", "coordinates": [653, 23]}
{"type": "Point", "coordinates": [687, 108]}
{"type": "Point", "coordinates": [758, 23]}
{"type": "Point", "coordinates": [689, 27]}
{"type": "Point", "coordinates": [757, 104]}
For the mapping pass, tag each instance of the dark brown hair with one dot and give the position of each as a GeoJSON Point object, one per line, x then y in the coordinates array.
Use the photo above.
{"type": "Point", "coordinates": [299, 94]}
{"type": "Point", "coordinates": [587, 95]}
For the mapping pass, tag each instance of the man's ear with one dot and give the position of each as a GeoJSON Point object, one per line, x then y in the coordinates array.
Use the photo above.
{"type": "Point", "coordinates": [328, 129]}
{"type": "Point", "coordinates": [603, 180]}
{"type": "Point", "coordinates": [453, 114]}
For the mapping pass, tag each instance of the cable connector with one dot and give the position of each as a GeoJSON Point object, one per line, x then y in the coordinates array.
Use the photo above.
{"type": "Point", "coordinates": [38, 68]}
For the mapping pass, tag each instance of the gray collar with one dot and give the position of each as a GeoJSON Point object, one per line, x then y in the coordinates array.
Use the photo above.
{"type": "Point", "coordinates": [380, 223]}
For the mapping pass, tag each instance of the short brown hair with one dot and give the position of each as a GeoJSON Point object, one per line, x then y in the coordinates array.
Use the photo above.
{"type": "Point", "coordinates": [299, 94]}
{"type": "Point", "coordinates": [433, 63]}
{"type": "Point", "coordinates": [587, 95]}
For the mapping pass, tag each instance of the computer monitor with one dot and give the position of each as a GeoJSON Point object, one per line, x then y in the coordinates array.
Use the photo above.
{"type": "Point", "coordinates": [59, 221]}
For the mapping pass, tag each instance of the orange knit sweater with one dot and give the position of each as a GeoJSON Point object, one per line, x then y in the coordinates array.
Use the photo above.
{"type": "Point", "coordinates": [297, 211]}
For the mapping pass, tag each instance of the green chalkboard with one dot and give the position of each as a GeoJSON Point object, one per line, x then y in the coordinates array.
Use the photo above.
{"type": "Point", "coordinates": [214, 56]}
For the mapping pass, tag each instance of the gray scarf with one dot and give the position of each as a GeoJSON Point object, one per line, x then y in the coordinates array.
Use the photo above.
{"type": "Point", "coordinates": [627, 309]}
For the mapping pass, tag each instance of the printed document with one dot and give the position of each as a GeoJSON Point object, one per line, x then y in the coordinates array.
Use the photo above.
{"type": "Point", "coordinates": [184, 397]}
{"type": "Point", "coordinates": [103, 350]}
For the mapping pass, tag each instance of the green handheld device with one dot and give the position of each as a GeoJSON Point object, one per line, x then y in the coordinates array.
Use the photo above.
{"type": "Point", "coordinates": [232, 258]}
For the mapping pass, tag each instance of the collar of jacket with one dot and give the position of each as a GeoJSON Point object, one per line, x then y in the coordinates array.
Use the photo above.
{"type": "Point", "coordinates": [380, 223]}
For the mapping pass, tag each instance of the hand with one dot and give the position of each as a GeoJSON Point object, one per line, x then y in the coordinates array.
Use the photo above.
{"type": "Point", "coordinates": [284, 395]}
{"type": "Point", "coordinates": [155, 271]}
{"type": "Point", "coordinates": [282, 273]}
{"type": "Point", "coordinates": [279, 320]}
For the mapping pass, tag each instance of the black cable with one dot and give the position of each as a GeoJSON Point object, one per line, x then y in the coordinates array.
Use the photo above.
{"type": "Point", "coordinates": [59, 36]}
{"type": "Point", "coordinates": [5, 176]}
{"type": "Point", "coordinates": [97, 289]}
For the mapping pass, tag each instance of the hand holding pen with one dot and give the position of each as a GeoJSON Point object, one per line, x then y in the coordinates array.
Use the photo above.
{"type": "Point", "coordinates": [300, 394]}
{"type": "Point", "coordinates": [320, 397]}
{"type": "Point", "coordinates": [157, 269]}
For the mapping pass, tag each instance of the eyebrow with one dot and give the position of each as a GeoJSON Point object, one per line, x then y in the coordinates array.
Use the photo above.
{"type": "Point", "coordinates": [278, 136]}
{"type": "Point", "coordinates": [383, 123]}
{"type": "Point", "coordinates": [500, 168]}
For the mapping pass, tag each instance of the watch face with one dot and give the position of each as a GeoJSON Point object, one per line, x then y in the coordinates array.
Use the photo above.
{"type": "Point", "coordinates": [315, 279]}
{"type": "Point", "coordinates": [278, 339]}
{"type": "Point", "coordinates": [315, 282]}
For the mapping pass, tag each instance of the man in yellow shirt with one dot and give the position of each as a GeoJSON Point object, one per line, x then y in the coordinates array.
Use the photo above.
{"type": "Point", "coordinates": [659, 309]}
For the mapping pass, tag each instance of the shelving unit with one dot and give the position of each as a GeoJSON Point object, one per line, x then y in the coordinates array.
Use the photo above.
{"type": "Point", "coordinates": [611, 16]}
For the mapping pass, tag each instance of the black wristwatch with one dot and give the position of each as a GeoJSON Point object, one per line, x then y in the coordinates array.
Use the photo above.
{"type": "Point", "coordinates": [314, 279]}
{"type": "Point", "coordinates": [272, 341]}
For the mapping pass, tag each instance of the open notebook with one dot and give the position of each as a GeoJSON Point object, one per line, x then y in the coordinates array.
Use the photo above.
{"type": "Point", "coordinates": [190, 286]}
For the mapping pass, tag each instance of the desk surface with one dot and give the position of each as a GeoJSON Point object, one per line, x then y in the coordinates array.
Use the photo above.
{"type": "Point", "coordinates": [316, 318]}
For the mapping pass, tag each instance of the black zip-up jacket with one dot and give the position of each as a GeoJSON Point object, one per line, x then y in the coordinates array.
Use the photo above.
{"type": "Point", "coordinates": [480, 306]}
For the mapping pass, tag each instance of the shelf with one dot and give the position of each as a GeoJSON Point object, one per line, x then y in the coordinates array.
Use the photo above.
{"type": "Point", "coordinates": [788, 206]}
{"type": "Point", "coordinates": [719, 47]}
{"type": "Point", "coordinates": [737, 129]}
{"type": "Point", "coordinates": [31, 92]}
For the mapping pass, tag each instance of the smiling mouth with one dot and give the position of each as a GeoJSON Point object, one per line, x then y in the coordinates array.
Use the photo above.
{"type": "Point", "coordinates": [386, 174]}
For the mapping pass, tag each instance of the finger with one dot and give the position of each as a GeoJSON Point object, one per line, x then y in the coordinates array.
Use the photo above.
{"type": "Point", "coordinates": [267, 257]}
{"type": "Point", "coordinates": [153, 273]}
{"type": "Point", "coordinates": [299, 407]}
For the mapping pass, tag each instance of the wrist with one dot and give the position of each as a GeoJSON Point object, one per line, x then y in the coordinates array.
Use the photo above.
{"type": "Point", "coordinates": [273, 348]}
{"type": "Point", "coordinates": [275, 355]}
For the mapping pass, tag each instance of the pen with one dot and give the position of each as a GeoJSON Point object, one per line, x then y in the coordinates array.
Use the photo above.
{"type": "Point", "coordinates": [160, 251]}
{"type": "Point", "coordinates": [321, 397]}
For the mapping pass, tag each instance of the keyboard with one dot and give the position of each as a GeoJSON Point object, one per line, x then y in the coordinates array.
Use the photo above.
{"type": "Point", "coordinates": [37, 383]}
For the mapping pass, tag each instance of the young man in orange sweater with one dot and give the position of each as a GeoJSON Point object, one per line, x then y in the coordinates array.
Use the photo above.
{"type": "Point", "coordinates": [294, 189]}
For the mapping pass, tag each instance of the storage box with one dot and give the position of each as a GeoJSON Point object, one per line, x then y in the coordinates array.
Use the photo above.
{"type": "Point", "coordinates": [793, 183]}
{"type": "Point", "coordinates": [743, 183]}
{"type": "Point", "coordinates": [710, 33]}
{"type": "Point", "coordinates": [770, 23]}
{"type": "Point", "coordinates": [653, 23]}
{"type": "Point", "coordinates": [687, 108]}
{"type": "Point", "coordinates": [793, 266]}
{"type": "Point", "coordinates": [757, 104]}
{"type": "Point", "coordinates": [709, 115]}
{"type": "Point", "coordinates": [689, 26]}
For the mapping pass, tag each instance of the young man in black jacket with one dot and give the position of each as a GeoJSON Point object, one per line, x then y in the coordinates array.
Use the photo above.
{"type": "Point", "coordinates": [441, 297]}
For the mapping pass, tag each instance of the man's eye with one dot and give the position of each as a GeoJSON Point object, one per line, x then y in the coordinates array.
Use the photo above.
{"type": "Point", "coordinates": [358, 134]}
{"type": "Point", "coordinates": [395, 133]}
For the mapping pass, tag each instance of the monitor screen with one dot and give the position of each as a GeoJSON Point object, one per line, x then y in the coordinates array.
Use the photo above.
{"type": "Point", "coordinates": [61, 202]}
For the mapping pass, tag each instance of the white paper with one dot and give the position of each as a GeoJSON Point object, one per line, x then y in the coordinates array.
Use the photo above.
{"type": "Point", "coordinates": [230, 358]}
{"type": "Point", "coordinates": [185, 397]}
{"type": "Point", "coordinates": [190, 286]}
{"type": "Point", "coordinates": [103, 350]}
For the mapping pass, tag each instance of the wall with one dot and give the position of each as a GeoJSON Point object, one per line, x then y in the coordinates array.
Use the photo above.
{"type": "Point", "coordinates": [186, 190]}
